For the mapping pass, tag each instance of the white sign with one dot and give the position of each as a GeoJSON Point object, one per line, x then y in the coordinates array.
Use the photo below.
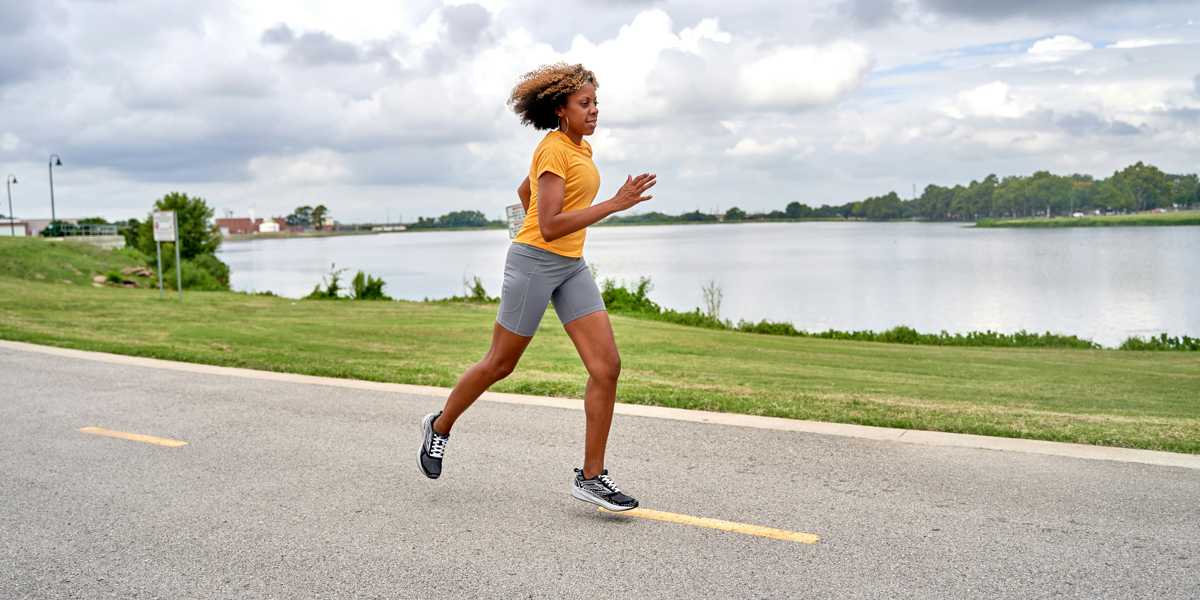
{"type": "Point", "coordinates": [516, 218]}
{"type": "Point", "coordinates": [164, 226]}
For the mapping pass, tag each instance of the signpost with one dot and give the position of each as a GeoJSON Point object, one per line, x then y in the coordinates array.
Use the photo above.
{"type": "Point", "coordinates": [516, 218]}
{"type": "Point", "coordinates": [165, 230]}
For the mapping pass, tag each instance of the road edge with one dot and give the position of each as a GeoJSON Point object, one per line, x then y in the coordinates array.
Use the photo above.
{"type": "Point", "coordinates": [904, 436]}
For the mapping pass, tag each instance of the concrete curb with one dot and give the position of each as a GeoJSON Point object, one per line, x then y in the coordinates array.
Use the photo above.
{"type": "Point", "coordinates": [905, 436]}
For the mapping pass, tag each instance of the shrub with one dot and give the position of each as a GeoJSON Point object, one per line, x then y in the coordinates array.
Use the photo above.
{"type": "Point", "coordinates": [214, 266]}
{"type": "Point", "coordinates": [194, 278]}
{"type": "Point", "coordinates": [621, 299]}
{"type": "Point", "coordinates": [476, 292]}
{"type": "Point", "coordinates": [1162, 342]}
{"type": "Point", "coordinates": [636, 302]}
{"type": "Point", "coordinates": [333, 286]}
{"type": "Point", "coordinates": [712, 299]}
{"type": "Point", "coordinates": [767, 327]}
{"type": "Point", "coordinates": [366, 287]}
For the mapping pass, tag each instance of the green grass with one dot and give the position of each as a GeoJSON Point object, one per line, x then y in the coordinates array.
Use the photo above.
{"type": "Point", "coordinates": [76, 262]}
{"type": "Point", "coordinates": [1137, 220]}
{"type": "Point", "coordinates": [1132, 399]}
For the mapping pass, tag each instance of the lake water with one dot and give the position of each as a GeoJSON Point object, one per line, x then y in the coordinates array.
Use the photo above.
{"type": "Point", "coordinates": [1104, 284]}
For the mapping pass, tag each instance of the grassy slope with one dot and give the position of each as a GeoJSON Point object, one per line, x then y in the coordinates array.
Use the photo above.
{"type": "Point", "coordinates": [1136, 399]}
{"type": "Point", "coordinates": [76, 262]}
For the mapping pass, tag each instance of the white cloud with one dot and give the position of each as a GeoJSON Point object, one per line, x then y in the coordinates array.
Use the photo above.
{"type": "Point", "coordinates": [625, 63]}
{"type": "Point", "coordinates": [991, 100]}
{"type": "Point", "coordinates": [707, 29]}
{"type": "Point", "coordinates": [805, 75]}
{"type": "Point", "coordinates": [320, 166]}
{"type": "Point", "coordinates": [612, 146]}
{"type": "Point", "coordinates": [753, 147]}
{"type": "Point", "coordinates": [1057, 48]}
{"type": "Point", "coordinates": [1145, 42]}
{"type": "Point", "coordinates": [357, 20]}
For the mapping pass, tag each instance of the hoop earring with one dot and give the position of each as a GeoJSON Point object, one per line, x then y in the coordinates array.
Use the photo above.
{"type": "Point", "coordinates": [567, 127]}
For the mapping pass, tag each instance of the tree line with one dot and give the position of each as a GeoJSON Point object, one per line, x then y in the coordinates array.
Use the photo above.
{"type": "Point", "coordinates": [1138, 187]}
{"type": "Point", "coordinates": [460, 218]}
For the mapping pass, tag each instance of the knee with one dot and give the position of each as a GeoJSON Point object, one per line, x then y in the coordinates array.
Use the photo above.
{"type": "Point", "coordinates": [496, 370]}
{"type": "Point", "coordinates": [607, 370]}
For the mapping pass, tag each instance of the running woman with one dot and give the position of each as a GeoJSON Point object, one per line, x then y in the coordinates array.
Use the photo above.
{"type": "Point", "coordinates": [545, 263]}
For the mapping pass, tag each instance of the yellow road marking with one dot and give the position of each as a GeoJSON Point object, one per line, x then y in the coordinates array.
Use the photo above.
{"type": "Point", "coordinates": [758, 530]}
{"type": "Point", "coordinates": [136, 437]}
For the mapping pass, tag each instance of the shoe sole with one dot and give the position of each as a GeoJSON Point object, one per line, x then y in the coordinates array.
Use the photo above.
{"type": "Point", "coordinates": [579, 494]}
{"type": "Point", "coordinates": [426, 429]}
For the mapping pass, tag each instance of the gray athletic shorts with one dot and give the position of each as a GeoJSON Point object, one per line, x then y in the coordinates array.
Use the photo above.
{"type": "Point", "coordinates": [533, 277]}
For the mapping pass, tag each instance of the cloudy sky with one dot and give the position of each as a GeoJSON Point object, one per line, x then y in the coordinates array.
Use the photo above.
{"type": "Point", "coordinates": [397, 109]}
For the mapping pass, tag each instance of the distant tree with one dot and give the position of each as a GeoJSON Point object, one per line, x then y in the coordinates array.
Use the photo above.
{"type": "Point", "coordinates": [93, 221]}
{"type": "Point", "coordinates": [697, 217]}
{"type": "Point", "coordinates": [319, 215]}
{"type": "Point", "coordinates": [1083, 194]}
{"type": "Point", "coordinates": [462, 218]}
{"type": "Point", "coordinates": [197, 235]}
{"type": "Point", "coordinates": [934, 203]}
{"type": "Point", "coordinates": [1113, 197]}
{"type": "Point", "coordinates": [858, 210]}
{"type": "Point", "coordinates": [735, 214]}
{"type": "Point", "coordinates": [882, 208]}
{"type": "Point", "coordinates": [1009, 198]}
{"type": "Point", "coordinates": [796, 210]}
{"type": "Point", "coordinates": [130, 232]}
{"type": "Point", "coordinates": [1048, 193]}
{"type": "Point", "coordinates": [976, 200]}
{"type": "Point", "coordinates": [1145, 183]}
{"type": "Point", "coordinates": [1185, 190]}
{"type": "Point", "coordinates": [301, 217]}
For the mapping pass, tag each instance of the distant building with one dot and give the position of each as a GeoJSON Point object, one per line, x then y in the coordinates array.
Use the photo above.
{"type": "Point", "coordinates": [242, 226]}
{"type": "Point", "coordinates": [14, 227]}
{"type": "Point", "coordinates": [236, 226]}
{"type": "Point", "coordinates": [37, 225]}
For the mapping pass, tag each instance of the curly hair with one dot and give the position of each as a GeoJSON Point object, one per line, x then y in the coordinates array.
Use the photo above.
{"type": "Point", "coordinates": [546, 88]}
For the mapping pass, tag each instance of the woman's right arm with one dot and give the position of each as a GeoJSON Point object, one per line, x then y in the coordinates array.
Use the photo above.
{"type": "Point", "coordinates": [523, 193]}
{"type": "Point", "coordinates": [554, 223]}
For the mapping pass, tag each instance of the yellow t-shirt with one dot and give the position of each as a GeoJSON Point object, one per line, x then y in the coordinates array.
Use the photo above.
{"type": "Point", "coordinates": [559, 155]}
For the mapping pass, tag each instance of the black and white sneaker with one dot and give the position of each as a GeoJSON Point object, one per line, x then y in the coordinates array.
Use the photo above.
{"type": "Point", "coordinates": [601, 491]}
{"type": "Point", "coordinates": [433, 447]}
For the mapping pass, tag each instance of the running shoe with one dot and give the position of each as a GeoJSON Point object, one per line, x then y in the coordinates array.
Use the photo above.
{"type": "Point", "coordinates": [601, 491]}
{"type": "Point", "coordinates": [433, 447]}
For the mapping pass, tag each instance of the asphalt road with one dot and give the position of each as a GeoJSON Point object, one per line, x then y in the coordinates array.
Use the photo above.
{"type": "Point", "coordinates": [288, 490]}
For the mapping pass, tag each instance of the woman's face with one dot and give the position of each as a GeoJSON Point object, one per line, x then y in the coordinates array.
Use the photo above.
{"type": "Point", "coordinates": [580, 111]}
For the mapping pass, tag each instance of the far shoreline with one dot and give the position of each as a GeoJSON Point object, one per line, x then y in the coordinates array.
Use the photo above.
{"type": "Point", "coordinates": [1170, 219]}
{"type": "Point", "coordinates": [1176, 218]}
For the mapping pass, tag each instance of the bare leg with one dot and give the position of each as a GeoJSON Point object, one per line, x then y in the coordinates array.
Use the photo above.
{"type": "Point", "coordinates": [498, 363]}
{"type": "Point", "coordinates": [593, 338]}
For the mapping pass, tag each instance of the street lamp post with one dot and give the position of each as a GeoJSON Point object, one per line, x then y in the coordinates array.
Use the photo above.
{"type": "Point", "coordinates": [55, 161]}
{"type": "Point", "coordinates": [8, 181]}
